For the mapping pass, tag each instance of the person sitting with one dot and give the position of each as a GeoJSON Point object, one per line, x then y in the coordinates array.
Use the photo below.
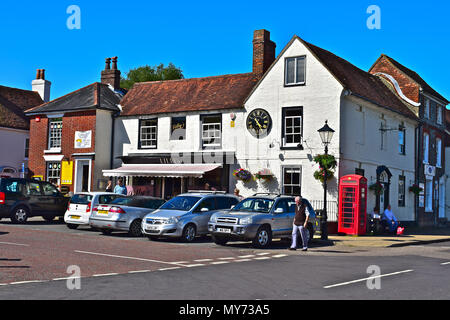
{"type": "Point", "coordinates": [390, 220]}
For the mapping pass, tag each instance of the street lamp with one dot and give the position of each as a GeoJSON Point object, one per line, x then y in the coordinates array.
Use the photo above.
{"type": "Point", "coordinates": [326, 134]}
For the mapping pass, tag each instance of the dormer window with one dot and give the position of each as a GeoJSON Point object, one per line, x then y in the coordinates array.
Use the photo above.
{"type": "Point", "coordinates": [295, 73]}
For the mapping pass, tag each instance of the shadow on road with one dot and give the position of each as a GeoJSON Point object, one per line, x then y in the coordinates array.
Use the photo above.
{"type": "Point", "coordinates": [15, 260]}
{"type": "Point", "coordinates": [14, 267]}
{"type": "Point", "coordinates": [3, 233]}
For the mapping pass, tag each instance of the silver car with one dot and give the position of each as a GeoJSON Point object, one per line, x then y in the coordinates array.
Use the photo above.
{"type": "Point", "coordinates": [258, 219]}
{"type": "Point", "coordinates": [186, 216]}
{"type": "Point", "coordinates": [123, 214]}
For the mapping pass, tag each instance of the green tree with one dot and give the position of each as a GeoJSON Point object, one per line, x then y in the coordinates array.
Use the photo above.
{"type": "Point", "coordinates": [148, 73]}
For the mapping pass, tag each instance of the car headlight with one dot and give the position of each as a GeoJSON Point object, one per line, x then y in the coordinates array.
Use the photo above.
{"type": "Point", "coordinates": [213, 219]}
{"type": "Point", "coordinates": [245, 221]}
{"type": "Point", "coordinates": [173, 220]}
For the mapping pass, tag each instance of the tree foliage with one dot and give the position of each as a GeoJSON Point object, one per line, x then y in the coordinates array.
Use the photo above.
{"type": "Point", "coordinates": [148, 73]}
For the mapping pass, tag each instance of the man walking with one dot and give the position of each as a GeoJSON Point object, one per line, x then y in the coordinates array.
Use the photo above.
{"type": "Point", "coordinates": [301, 222]}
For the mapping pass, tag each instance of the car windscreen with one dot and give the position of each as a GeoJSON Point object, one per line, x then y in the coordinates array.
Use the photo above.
{"type": "Point", "coordinates": [255, 205]}
{"type": "Point", "coordinates": [107, 198]}
{"type": "Point", "coordinates": [122, 201]}
{"type": "Point", "coordinates": [81, 199]}
{"type": "Point", "coordinates": [182, 203]}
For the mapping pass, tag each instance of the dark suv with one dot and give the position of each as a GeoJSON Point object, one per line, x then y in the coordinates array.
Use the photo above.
{"type": "Point", "coordinates": [22, 198]}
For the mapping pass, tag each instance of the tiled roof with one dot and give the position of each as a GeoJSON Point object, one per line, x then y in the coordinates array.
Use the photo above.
{"type": "Point", "coordinates": [13, 103]}
{"type": "Point", "coordinates": [414, 76]}
{"type": "Point", "coordinates": [96, 95]}
{"type": "Point", "coordinates": [360, 82]}
{"type": "Point", "coordinates": [197, 94]}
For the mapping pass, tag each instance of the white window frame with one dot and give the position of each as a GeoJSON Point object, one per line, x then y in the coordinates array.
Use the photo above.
{"type": "Point", "coordinates": [151, 127]}
{"type": "Point", "coordinates": [426, 147]}
{"type": "Point", "coordinates": [284, 185]}
{"type": "Point", "coordinates": [438, 152]}
{"type": "Point", "coordinates": [54, 135]}
{"type": "Point", "coordinates": [285, 133]}
{"type": "Point", "coordinates": [211, 129]}
{"type": "Point", "coordinates": [296, 82]}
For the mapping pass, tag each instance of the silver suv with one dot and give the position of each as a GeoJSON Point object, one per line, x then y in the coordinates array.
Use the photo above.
{"type": "Point", "coordinates": [187, 215]}
{"type": "Point", "coordinates": [258, 218]}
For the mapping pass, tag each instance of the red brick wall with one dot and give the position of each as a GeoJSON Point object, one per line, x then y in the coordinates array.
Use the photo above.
{"type": "Point", "coordinates": [80, 121]}
{"type": "Point", "coordinates": [410, 89]}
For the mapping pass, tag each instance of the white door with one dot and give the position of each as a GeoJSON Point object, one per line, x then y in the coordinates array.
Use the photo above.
{"type": "Point", "coordinates": [441, 198]}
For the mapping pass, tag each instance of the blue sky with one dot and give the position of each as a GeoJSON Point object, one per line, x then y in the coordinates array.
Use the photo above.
{"type": "Point", "coordinates": [207, 38]}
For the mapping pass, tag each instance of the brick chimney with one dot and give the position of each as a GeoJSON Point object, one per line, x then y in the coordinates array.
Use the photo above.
{"type": "Point", "coordinates": [110, 75]}
{"type": "Point", "coordinates": [41, 86]}
{"type": "Point", "coordinates": [263, 51]}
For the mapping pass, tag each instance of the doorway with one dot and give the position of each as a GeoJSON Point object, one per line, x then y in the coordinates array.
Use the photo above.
{"type": "Point", "coordinates": [82, 176]}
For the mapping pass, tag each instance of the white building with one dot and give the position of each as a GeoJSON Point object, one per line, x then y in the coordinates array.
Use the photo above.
{"type": "Point", "coordinates": [269, 119]}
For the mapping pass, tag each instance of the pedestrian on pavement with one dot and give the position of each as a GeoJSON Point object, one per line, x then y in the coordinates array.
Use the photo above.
{"type": "Point", "coordinates": [109, 187]}
{"type": "Point", "coordinates": [237, 194]}
{"type": "Point", "coordinates": [390, 220]}
{"type": "Point", "coordinates": [303, 210]}
{"type": "Point", "coordinates": [207, 186]}
{"type": "Point", "coordinates": [120, 188]}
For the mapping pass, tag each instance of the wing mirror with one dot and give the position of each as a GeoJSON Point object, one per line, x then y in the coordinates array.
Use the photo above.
{"type": "Point", "coordinates": [279, 210]}
{"type": "Point", "coordinates": [204, 210]}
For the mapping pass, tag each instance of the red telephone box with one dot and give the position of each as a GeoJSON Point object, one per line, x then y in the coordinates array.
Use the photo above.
{"type": "Point", "coordinates": [353, 205]}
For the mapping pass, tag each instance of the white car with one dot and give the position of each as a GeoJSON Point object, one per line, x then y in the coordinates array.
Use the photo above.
{"type": "Point", "coordinates": [81, 205]}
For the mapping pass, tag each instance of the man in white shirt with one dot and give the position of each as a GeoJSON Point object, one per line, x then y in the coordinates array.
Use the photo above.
{"type": "Point", "coordinates": [391, 221]}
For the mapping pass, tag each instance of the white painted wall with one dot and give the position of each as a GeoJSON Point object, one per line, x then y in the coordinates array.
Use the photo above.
{"type": "Point", "coordinates": [103, 136]}
{"type": "Point", "coordinates": [361, 148]}
{"type": "Point", "coordinates": [12, 144]}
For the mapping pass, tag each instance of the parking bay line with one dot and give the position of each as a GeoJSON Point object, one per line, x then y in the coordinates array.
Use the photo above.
{"type": "Point", "coordinates": [131, 258]}
{"type": "Point", "coordinates": [365, 279]}
{"type": "Point", "coordinates": [15, 244]}
{"type": "Point", "coordinates": [445, 263]}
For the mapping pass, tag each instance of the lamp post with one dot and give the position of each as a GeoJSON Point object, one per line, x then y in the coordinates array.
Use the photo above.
{"type": "Point", "coordinates": [326, 134]}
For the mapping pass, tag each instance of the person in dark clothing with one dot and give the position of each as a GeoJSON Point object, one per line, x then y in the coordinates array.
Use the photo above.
{"type": "Point", "coordinates": [303, 210]}
{"type": "Point", "coordinates": [109, 187]}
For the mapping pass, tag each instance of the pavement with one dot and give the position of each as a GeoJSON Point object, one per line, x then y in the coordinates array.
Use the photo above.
{"type": "Point", "coordinates": [414, 236]}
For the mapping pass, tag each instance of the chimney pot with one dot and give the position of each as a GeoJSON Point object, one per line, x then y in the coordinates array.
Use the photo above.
{"type": "Point", "coordinates": [111, 76]}
{"type": "Point", "coordinates": [114, 65]}
{"type": "Point", "coordinates": [108, 64]}
{"type": "Point", "coordinates": [42, 74]}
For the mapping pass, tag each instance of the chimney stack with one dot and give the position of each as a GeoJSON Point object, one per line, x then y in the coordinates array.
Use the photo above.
{"type": "Point", "coordinates": [263, 51]}
{"type": "Point", "coordinates": [41, 86]}
{"type": "Point", "coordinates": [110, 75]}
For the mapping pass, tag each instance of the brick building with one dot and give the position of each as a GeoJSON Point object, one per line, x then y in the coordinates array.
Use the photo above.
{"type": "Point", "coordinates": [430, 107]}
{"type": "Point", "coordinates": [71, 137]}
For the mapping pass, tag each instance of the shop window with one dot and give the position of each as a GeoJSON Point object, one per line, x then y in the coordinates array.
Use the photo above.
{"type": "Point", "coordinates": [148, 134]}
{"type": "Point", "coordinates": [54, 172]}
{"type": "Point", "coordinates": [292, 181]}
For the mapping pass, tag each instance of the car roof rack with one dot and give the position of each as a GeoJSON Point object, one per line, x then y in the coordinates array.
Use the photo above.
{"type": "Point", "coordinates": [207, 191]}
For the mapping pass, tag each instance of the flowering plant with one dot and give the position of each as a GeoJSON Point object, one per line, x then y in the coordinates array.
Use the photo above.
{"type": "Point", "coordinates": [264, 174]}
{"type": "Point", "coordinates": [242, 174]}
{"type": "Point", "coordinates": [377, 187]}
{"type": "Point", "coordinates": [326, 162]}
{"type": "Point", "coordinates": [415, 189]}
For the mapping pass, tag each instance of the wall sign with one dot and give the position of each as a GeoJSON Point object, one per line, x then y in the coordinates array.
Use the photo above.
{"type": "Point", "coordinates": [66, 172]}
{"type": "Point", "coordinates": [83, 139]}
{"type": "Point", "coordinates": [178, 128]}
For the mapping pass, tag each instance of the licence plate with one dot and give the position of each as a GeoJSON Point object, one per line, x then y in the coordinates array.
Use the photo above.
{"type": "Point", "coordinates": [76, 217]}
{"type": "Point", "coordinates": [152, 228]}
{"type": "Point", "coordinates": [103, 212]}
{"type": "Point", "coordinates": [223, 230]}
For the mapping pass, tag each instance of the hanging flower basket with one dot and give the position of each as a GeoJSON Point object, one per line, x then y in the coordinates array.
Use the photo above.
{"type": "Point", "coordinates": [326, 162]}
{"type": "Point", "coordinates": [242, 174]}
{"type": "Point", "coordinates": [377, 187]}
{"type": "Point", "coordinates": [264, 174]}
{"type": "Point", "coordinates": [415, 189]}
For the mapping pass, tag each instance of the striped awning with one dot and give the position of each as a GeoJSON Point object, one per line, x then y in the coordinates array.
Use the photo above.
{"type": "Point", "coordinates": [162, 170]}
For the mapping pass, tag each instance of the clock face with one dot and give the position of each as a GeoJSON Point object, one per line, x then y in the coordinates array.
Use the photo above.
{"type": "Point", "coordinates": [259, 123]}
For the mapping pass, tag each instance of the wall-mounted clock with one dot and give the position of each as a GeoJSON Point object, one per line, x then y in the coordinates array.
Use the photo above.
{"type": "Point", "coordinates": [259, 123]}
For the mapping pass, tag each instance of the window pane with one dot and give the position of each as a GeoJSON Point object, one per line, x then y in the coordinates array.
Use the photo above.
{"type": "Point", "coordinates": [290, 70]}
{"type": "Point", "coordinates": [300, 70]}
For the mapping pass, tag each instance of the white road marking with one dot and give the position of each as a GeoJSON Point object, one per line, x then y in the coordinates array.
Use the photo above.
{"type": "Point", "coordinates": [228, 258]}
{"type": "Point", "coordinates": [15, 244]}
{"type": "Point", "coordinates": [248, 256]}
{"type": "Point", "coordinates": [243, 260]}
{"type": "Point", "coordinates": [181, 262]}
{"type": "Point", "coordinates": [105, 275]}
{"type": "Point", "coordinates": [220, 262]}
{"type": "Point", "coordinates": [204, 260]}
{"type": "Point", "coordinates": [25, 282]}
{"type": "Point", "coordinates": [262, 254]}
{"type": "Point", "coordinates": [262, 258]}
{"type": "Point", "coordinates": [59, 279]}
{"type": "Point", "coordinates": [165, 269]}
{"type": "Point", "coordinates": [445, 263]}
{"type": "Point", "coordinates": [132, 258]}
{"type": "Point", "coordinates": [139, 271]}
{"type": "Point", "coordinates": [194, 265]}
{"type": "Point", "coordinates": [280, 256]}
{"type": "Point", "coordinates": [365, 279]}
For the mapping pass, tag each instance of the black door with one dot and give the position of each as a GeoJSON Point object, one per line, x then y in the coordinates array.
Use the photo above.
{"type": "Point", "coordinates": [85, 185]}
{"type": "Point", "coordinates": [35, 197]}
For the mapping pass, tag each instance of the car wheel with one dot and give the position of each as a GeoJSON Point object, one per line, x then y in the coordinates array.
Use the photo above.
{"type": "Point", "coordinates": [49, 218]}
{"type": "Point", "coordinates": [135, 229]}
{"type": "Point", "coordinates": [20, 215]}
{"type": "Point", "coordinates": [72, 226]}
{"type": "Point", "coordinates": [107, 232]}
{"type": "Point", "coordinates": [189, 233]}
{"type": "Point", "coordinates": [263, 238]}
{"type": "Point", "coordinates": [221, 241]}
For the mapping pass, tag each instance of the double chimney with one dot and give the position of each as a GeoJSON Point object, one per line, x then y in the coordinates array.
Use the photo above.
{"type": "Point", "coordinates": [41, 86]}
{"type": "Point", "coordinates": [263, 52]}
{"type": "Point", "coordinates": [111, 75]}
